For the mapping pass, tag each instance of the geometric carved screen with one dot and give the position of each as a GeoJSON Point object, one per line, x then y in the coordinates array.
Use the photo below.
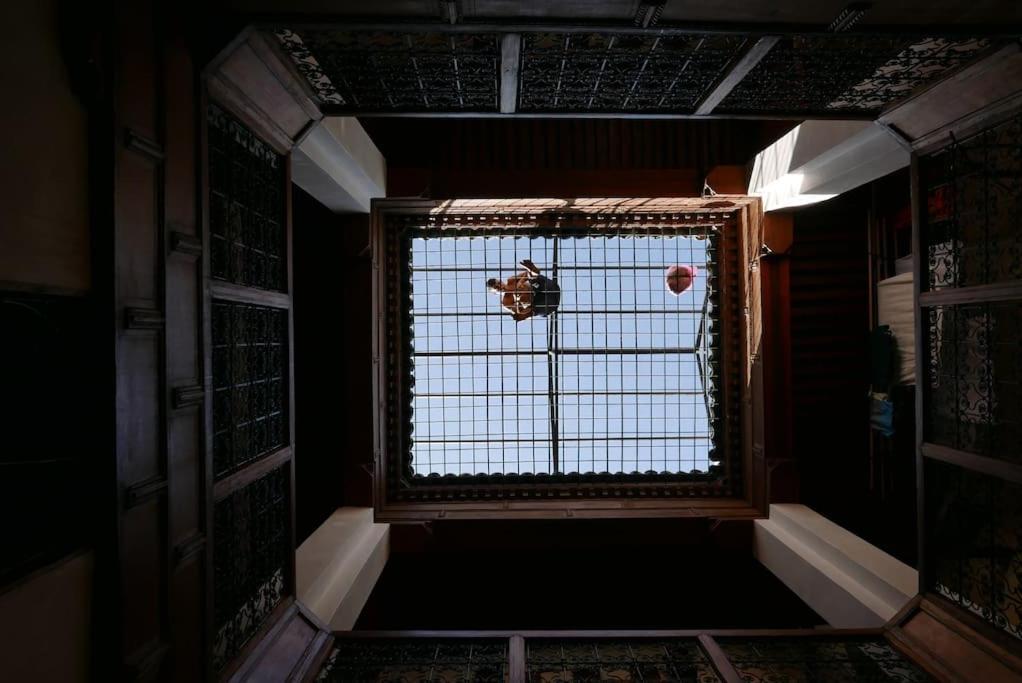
{"type": "Point", "coordinates": [618, 660]}
{"type": "Point", "coordinates": [248, 243]}
{"type": "Point", "coordinates": [393, 72]}
{"type": "Point", "coordinates": [845, 74]}
{"type": "Point", "coordinates": [975, 368]}
{"type": "Point", "coordinates": [669, 70]}
{"type": "Point", "coordinates": [250, 556]}
{"type": "Point", "coordinates": [974, 543]}
{"type": "Point", "coordinates": [973, 211]}
{"type": "Point", "coordinates": [250, 383]}
{"type": "Point", "coordinates": [394, 659]}
{"type": "Point", "coordinates": [814, 659]}
{"type": "Point", "coordinates": [971, 238]}
{"type": "Point", "coordinates": [609, 72]}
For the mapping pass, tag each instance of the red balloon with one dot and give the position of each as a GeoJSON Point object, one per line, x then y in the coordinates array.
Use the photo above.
{"type": "Point", "coordinates": [679, 278]}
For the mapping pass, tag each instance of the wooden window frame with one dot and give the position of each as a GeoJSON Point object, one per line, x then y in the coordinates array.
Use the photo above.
{"type": "Point", "coordinates": [397, 500]}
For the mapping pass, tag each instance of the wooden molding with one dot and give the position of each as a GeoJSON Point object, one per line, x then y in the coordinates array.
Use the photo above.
{"type": "Point", "coordinates": [186, 245]}
{"type": "Point", "coordinates": [247, 295]}
{"type": "Point", "coordinates": [187, 396]}
{"type": "Point", "coordinates": [250, 473]}
{"type": "Point", "coordinates": [191, 547]}
{"type": "Point", "coordinates": [140, 144]}
{"type": "Point", "coordinates": [138, 493]}
{"type": "Point", "coordinates": [143, 318]}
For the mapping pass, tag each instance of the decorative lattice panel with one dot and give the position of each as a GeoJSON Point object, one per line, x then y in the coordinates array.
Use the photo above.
{"type": "Point", "coordinates": [250, 556]}
{"type": "Point", "coordinates": [599, 72]}
{"type": "Point", "coordinates": [617, 660]}
{"type": "Point", "coordinates": [247, 222]}
{"type": "Point", "coordinates": [975, 365]}
{"type": "Point", "coordinates": [974, 543]}
{"type": "Point", "coordinates": [250, 387]}
{"type": "Point", "coordinates": [973, 216]}
{"type": "Point", "coordinates": [358, 659]}
{"type": "Point", "coordinates": [846, 74]}
{"type": "Point", "coordinates": [815, 659]}
{"type": "Point", "coordinates": [382, 71]}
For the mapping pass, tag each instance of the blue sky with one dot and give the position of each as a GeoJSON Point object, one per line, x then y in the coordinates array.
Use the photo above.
{"type": "Point", "coordinates": [617, 412]}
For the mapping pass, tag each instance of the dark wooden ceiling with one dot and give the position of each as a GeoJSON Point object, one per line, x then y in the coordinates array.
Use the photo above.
{"type": "Point", "coordinates": [436, 68]}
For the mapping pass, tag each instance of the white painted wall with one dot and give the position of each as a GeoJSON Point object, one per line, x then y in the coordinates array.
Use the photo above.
{"type": "Point", "coordinates": [339, 564]}
{"type": "Point", "coordinates": [847, 581]}
{"type": "Point", "coordinates": [818, 160]}
{"type": "Point", "coordinates": [338, 164]}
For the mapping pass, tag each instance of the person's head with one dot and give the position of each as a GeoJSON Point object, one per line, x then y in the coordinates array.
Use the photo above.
{"type": "Point", "coordinates": [493, 284]}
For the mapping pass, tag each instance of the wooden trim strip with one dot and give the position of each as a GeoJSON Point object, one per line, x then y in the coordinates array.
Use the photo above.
{"type": "Point", "coordinates": [250, 473]}
{"type": "Point", "coordinates": [308, 665]}
{"type": "Point", "coordinates": [140, 144]}
{"type": "Point", "coordinates": [624, 633]}
{"type": "Point", "coordinates": [239, 668]}
{"type": "Point", "coordinates": [720, 662]}
{"type": "Point", "coordinates": [185, 244]}
{"type": "Point", "coordinates": [979, 633]}
{"type": "Point", "coordinates": [1007, 291]}
{"type": "Point", "coordinates": [191, 547]}
{"type": "Point", "coordinates": [746, 63]}
{"type": "Point", "coordinates": [516, 663]}
{"type": "Point", "coordinates": [188, 396]}
{"type": "Point", "coordinates": [1001, 469]}
{"type": "Point", "coordinates": [227, 291]}
{"type": "Point", "coordinates": [140, 492]}
{"type": "Point", "coordinates": [920, 655]}
{"type": "Point", "coordinates": [136, 318]}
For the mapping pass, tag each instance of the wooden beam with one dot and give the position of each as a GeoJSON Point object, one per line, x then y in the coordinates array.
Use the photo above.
{"type": "Point", "coordinates": [719, 660]}
{"type": "Point", "coordinates": [1002, 469]}
{"type": "Point", "coordinates": [739, 71]}
{"type": "Point", "coordinates": [976, 294]}
{"type": "Point", "coordinates": [510, 53]}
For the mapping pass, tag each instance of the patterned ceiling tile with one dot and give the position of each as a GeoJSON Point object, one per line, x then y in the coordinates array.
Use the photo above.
{"type": "Point", "coordinates": [845, 74]}
{"type": "Point", "coordinates": [376, 71]}
{"type": "Point", "coordinates": [597, 72]}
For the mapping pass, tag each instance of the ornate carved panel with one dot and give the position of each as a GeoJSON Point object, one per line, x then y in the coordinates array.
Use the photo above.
{"type": "Point", "coordinates": [974, 368]}
{"type": "Point", "coordinates": [250, 383]}
{"type": "Point", "coordinates": [600, 72]}
{"type": "Point", "coordinates": [973, 214]}
{"type": "Point", "coordinates": [847, 73]}
{"type": "Point", "coordinates": [251, 555]}
{"type": "Point", "coordinates": [359, 659]}
{"type": "Point", "coordinates": [389, 71]}
{"type": "Point", "coordinates": [812, 659]}
{"type": "Point", "coordinates": [618, 660]}
{"type": "Point", "coordinates": [247, 230]}
{"type": "Point", "coordinates": [974, 543]}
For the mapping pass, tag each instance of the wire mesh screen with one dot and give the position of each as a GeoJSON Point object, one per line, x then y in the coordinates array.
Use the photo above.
{"type": "Point", "coordinates": [614, 374]}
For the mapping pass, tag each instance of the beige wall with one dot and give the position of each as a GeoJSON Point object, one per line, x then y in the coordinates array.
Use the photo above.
{"type": "Point", "coordinates": [44, 243]}
{"type": "Point", "coordinates": [44, 624]}
{"type": "Point", "coordinates": [44, 229]}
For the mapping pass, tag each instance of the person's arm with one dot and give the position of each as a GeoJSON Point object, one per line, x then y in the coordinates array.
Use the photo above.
{"type": "Point", "coordinates": [530, 266]}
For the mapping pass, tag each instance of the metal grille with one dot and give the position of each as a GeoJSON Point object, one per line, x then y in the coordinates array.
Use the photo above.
{"type": "Point", "coordinates": [975, 397]}
{"type": "Point", "coordinates": [617, 660]}
{"type": "Point", "coordinates": [375, 71]}
{"type": "Point", "coordinates": [973, 216]}
{"type": "Point", "coordinates": [974, 543]}
{"type": "Point", "coordinates": [246, 206]}
{"type": "Point", "coordinates": [847, 74]}
{"type": "Point", "coordinates": [357, 659]}
{"type": "Point", "coordinates": [249, 559]}
{"type": "Point", "coordinates": [250, 389]}
{"type": "Point", "coordinates": [815, 659]}
{"type": "Point", "coordinates": [578, 72]}
{"type": "Point", "coordinates": [621, 378]}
